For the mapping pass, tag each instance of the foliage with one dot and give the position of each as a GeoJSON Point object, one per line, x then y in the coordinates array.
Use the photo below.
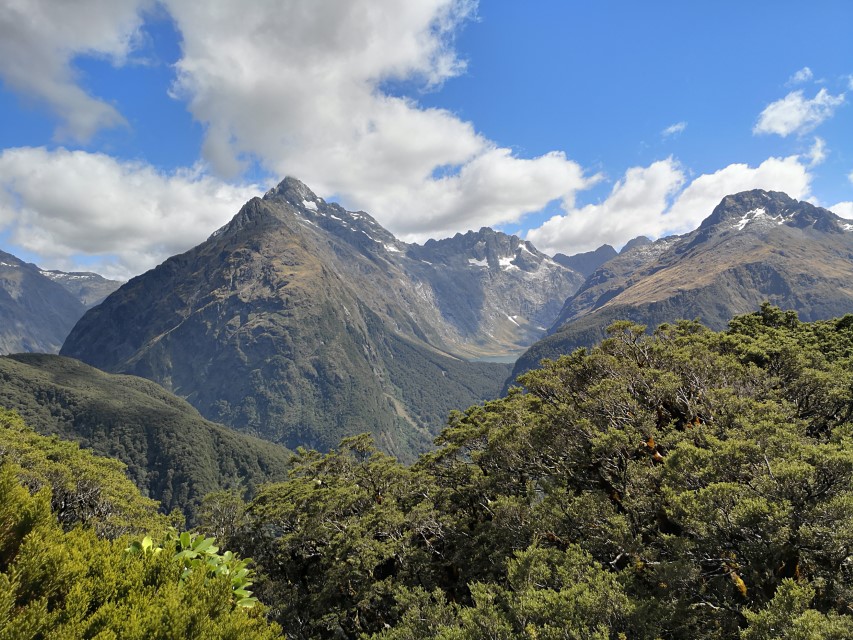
{"type": "Point", "coordinates": [72, 584]}
{"type": "Point", "coordinates": [197, 554]}
{"type": "Point", "coordinates": [84, 488]}
{"type": "Point", "coordinates": [685, 484]}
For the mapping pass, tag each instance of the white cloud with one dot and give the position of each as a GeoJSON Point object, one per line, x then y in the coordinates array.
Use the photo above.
{"type": "Point", "coordinates": [674, 129]}
{"type": "Point", "coordinates": [796, 114]}
{"type": "Point", "coordinates": [817, 153]}
{"type": "Point", "coordinates": [850, 176]}
{"type": "Point", "coordinates": [40, 38]}
{"type": "Point", "coordinates": [126, 216]}
{"type": "Point", "coordinates": [843, 209]}
{"type": "Point", "coordinates": [649, 201]}
{"type": "Point", "coordinates": [302, 90]}
{"type": "Point", "coordinates": [803, 75]}
{"type": "Point", "coordinates": [635, 207]}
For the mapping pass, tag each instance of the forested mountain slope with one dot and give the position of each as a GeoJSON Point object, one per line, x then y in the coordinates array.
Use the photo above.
{"type": "Point", "coordinates": [172, 454]}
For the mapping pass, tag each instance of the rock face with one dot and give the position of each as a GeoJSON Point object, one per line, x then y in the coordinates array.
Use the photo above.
{"type": "Point", "coordinates": [302, 322]}
{"type": "Point", "coordinates": [36, 313]}
{"type": "Point", "coordinates": [494, 293]}
{"type": "Point", "coordinates": [756, 246]}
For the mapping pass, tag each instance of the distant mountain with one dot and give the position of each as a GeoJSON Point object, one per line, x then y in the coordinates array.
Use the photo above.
{"type": "Point", "coordinates": [36, 313]}
{"type": "Point", "coordinates": [639, 241]}
{"type": "Point", "coordinates": [89, 288]}
{"type": "Point", "coordinates": [755, 246]}
{"type": "Point", "coordinates": [173, 454]}
{"type": "Point", "coordinates": [494, 293]}
{"type": "Point", "coordinates": [586, 263]}
{"type": "Point", "coordinates": [302, 322]}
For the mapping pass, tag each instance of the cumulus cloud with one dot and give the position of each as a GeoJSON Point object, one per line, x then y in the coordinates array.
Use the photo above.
{"type": "Point", "coordinates": [843, 209]}
{"type": "Point", "coordinates": [127, 217]}
{"type": "Point", "coordinates": [797, 114]}
{"type": "Point", "coordinates": [303, 90]}
{"type": "Point", "coordinates": [634, 207]}
{"type": "Point", "coordinates": [803, 75]}
{"type": "Point", "coordinates": [650, 201]}
{"type": "Point", "coordinates": [674, 129]}
{"type": "Point", "coordinates": [40, 38]}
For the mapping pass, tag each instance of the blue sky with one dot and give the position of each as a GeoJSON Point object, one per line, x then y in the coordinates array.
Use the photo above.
{"type": "Point", "coordinates": [133, 129]}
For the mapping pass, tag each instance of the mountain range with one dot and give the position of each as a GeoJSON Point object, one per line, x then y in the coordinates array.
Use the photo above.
{"type": "Point", "coordinates": [302, 322]}
{"type": "Point", "coordinates": [756, 246]}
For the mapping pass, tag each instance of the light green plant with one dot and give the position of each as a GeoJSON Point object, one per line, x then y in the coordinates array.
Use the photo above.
{"type": "Point", "coordinates": [198, 553]}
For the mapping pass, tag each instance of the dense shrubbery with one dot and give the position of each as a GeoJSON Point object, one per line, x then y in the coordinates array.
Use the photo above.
{"type": "Point", "coordinates": [84, 488]}
{"type": "Point", "coordinates": [688, 484]}
{"type": "Point", "coordinates": [67, 572]}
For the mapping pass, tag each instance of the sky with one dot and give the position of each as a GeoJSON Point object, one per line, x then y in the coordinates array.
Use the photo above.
{"type": "Point", "coordinates": [133, 129]}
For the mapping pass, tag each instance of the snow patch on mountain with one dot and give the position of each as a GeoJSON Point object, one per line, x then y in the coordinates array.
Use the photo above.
{"type": "Point", "coordinates": [748, 217]}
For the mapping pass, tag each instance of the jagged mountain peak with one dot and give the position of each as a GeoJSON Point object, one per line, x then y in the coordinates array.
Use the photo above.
{"type": "Point", "coordinates": [757, 209]}
{"type": "Point", "coordinates": [755, 246]}
{"type": "Point", "coordinates": [294, 191]}
{"type": "Point", "coordinates": [587, 262]}
{"type": "Point", "coordinates": [36, 313]}
{"type": "Point", "coordinates": [485, 248]}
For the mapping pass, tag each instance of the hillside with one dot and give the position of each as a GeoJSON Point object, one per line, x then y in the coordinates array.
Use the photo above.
{"type": "Point", "coordinates": [172, 454]}
{"type": "Point", "coordinates": [302, 323]}
{"type": "Point", "coordinates": [755, 246]}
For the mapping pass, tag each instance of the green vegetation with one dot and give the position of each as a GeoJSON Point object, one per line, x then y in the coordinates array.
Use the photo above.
{"type": "Point", "coordinates": [64, 574]}
{"type": "Point", "coordinates": [84, 489]}
{"type": "Point", "coordinates": [172, 454]}
{"type": "Point", "coordinates": [198, 554]}
{"type": "Point", "coordinates": [685, 484]}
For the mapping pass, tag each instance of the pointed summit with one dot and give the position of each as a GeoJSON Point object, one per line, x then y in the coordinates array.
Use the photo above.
{"type": "Point", "coordinates": [293, 191]}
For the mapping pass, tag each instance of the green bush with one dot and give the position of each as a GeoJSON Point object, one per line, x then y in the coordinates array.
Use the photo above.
{"type": "Point", "coordinates": [73, 584]}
